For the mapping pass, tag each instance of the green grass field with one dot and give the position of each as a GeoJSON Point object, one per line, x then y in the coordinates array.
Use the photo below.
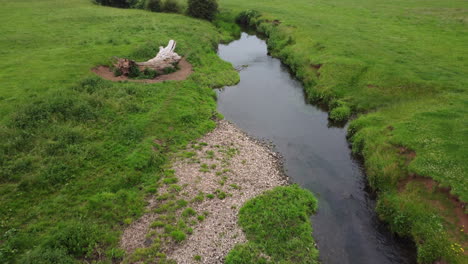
{"type": "Point", "coordinates": [405, 64]}
{"type": "Point", "coordinates": [78, 154]}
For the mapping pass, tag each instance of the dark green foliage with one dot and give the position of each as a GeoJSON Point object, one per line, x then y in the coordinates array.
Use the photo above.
{"type": "Point", "coordinates": [47, 256]}
{"type": "Point", "coordinates": [245, 17]}
{"type": "Point", "coordinates": [204, 9]}
{"type": "Point", "coordinates": [76, 238]}
{"type": "Point", "coordinates": [115, 3]}
{"type": "Point", "coordinates": [148, 74]}
{"type": "Point", "coordinates": [277, 225]}
{"type": "Point", "coordinates": [154, 5]}
{"type": "Point", "coordinates": [171, 6]}
{"type": "Point", "coordinates": [134, 72]}
{"type": "Point", "coordinates": [168, 70]}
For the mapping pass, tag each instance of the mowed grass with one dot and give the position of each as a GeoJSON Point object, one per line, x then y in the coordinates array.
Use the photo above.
{"type": "Point", "coordinates": [78, 155]}
{"type": "Point", "coordinates": [400, 68]}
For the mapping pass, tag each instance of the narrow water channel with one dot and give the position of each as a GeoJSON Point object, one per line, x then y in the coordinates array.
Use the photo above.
{"type": "Point", "coordinates": [269, 104]}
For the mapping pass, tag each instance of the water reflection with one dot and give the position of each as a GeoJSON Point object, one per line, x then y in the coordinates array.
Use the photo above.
{"type": "Point", "coordinates": [269, 103]}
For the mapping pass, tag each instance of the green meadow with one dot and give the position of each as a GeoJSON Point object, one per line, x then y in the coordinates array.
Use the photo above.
{"type": "Point", "coordinates": [79, 155]}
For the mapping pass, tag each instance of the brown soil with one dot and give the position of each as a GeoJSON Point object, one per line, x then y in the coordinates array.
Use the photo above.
{"type": "Point", "coordinates": [432, 186]}
{"type": "Point", "coordinates": [180, 75]}
{"type": "Point", "coordinates": [316, 68]}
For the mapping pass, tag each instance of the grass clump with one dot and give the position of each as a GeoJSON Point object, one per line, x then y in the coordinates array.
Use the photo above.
{"type": "Point", "coordinates": [277, 226]}
{"type": "Point", "coordinates": [220, 194]}
{"type": "Point", "coordinates": [188, 212]}
{"type": "Point", "coordinates": [178, 235]}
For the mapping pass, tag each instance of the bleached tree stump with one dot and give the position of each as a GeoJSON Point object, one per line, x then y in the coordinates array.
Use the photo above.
{"type": "Point", "coordinates": [166, 57]}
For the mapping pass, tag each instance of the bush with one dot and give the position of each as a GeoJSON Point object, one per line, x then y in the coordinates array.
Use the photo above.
{"type": "Point", "coordinates": [171, 6]}
{"type": "Point", "coordinates": [205, 9]}
{"type": "Point", "coordinates": [115, 3]}
{"type": "Point", "coordinates": [245, 17]}
{"type": "Point", "coordinates": [154, 5]}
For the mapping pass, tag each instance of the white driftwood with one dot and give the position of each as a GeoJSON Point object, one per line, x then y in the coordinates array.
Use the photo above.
{"type": "Point", "coordinates": [166, 57]}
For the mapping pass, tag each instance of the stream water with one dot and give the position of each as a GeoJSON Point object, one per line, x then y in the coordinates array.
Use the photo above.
{"type": "Point", "coordinates": [269, 104]}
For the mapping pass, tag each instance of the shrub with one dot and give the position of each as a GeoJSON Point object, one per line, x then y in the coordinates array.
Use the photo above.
{"type": "Point", "coordinates": [115, 3]}
{"type": "Point", "coordinates": [245, 17]}
{"type": "Point", "coordinates": [154, 5]}
{"type": "Point", "coordinates": [171, 6]}
{"type": "Point", "coordinates": [134, 72]}
{"type": "Point", "coordinates": [205, 9]}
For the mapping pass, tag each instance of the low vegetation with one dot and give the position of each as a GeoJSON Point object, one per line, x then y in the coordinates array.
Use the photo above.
{"type": "Point", "coordinates": [79, 154]}
{"type": "Point", "coordinates": [277, 225]}
{"type": "Point", "coordinates": [204, 9]}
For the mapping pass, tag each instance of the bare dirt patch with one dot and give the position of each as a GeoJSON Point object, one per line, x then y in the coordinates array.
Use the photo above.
{"type": "Point", "coordinates": [432, 186]}
{"type": "Point", "coordinates": [226, 168]}
{"type": "Point", "coordinates": [185, 69]}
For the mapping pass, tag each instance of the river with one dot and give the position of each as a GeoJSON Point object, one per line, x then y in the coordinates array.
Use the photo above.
{"type": "Point", "coordinates": [269, 104]}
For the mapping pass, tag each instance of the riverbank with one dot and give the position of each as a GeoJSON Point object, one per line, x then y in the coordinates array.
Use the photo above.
{"type": "Point", "coordinates": [416, 123]}
{"type": "Point", "coordinates": [194, 215]}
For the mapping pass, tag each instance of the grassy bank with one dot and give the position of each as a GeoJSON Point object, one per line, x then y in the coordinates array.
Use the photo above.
{"type": "Point", "coordinates": [403, 63]}
{"type": "Point", "coordinates": [78, 154]}
{"type": "Point", "coordinates": [277, 225]}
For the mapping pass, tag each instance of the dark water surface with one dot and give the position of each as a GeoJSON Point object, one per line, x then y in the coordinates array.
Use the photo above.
{"type": "Point", "coordinates": [269, 104]}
